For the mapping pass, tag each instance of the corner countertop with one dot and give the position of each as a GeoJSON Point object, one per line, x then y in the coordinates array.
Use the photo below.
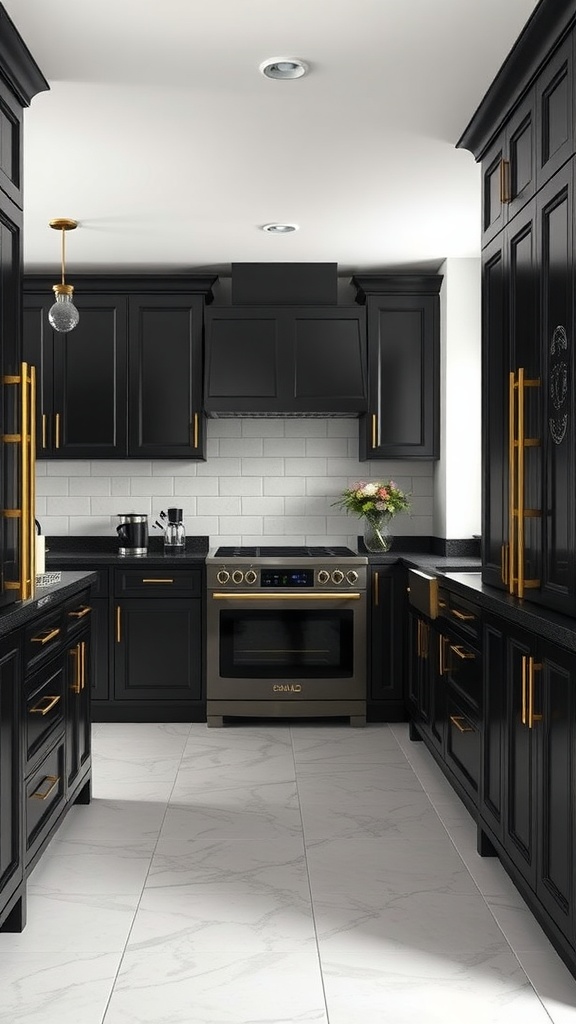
{"type": "Point", "coordinates": [67, 551]}
{"type": "Point", "coordinates": [17, 615]}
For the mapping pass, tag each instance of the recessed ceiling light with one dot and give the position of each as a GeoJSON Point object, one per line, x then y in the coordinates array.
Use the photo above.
{"type": "Point", "coordinates": [284, 67]}
{"type": "Point", "coordinates": [279, 229]}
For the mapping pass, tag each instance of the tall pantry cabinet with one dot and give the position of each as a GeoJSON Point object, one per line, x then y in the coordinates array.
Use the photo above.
{"type": "Point", "coordinates": [524, 135]}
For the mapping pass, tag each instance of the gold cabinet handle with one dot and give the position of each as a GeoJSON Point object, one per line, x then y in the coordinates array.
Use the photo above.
{"type": "Point", "coordinates": [250, 596]}
{"type": "Point", "coordinates": [82, 664]}
{"type": "Point", "coordinates": [442, 667]}
{"type": "Point", "coordinates": [374, 430]}
{"type": "Point", "coordinates": [505, 196]}
{"type": "Point", "coordinates": [51, 781]}
{"type": "Point", "coordinates": [532, 716]}
{"type": "Point", "coordinates": [39, 710]}
{"type": "Point", "coordinates": [118, 624]}
{"type": "Point", "coordinates": [43, 638]}
{"type": "Point", "coordinates": [524, 677]}
{"type": "Point", "coordinates": [57, 430]}
{"type": "Point", "coordinates": [376, 589]}
{"type": "Point", "coordinates": [504, 564]}
{"type": "Point", "coordinates": [77, 684]}
{"type": "Point", "coordinates": [517, 512]}
{"type": "Point", "coordinates": [464, 616]}
{"type": "Point", "coordinates": [462, 653]}
{"type": "Point", "coordinates": [43, 430]}
{"type": "Point", "coordinates": [83, 610]}
{"type": "Point", "coordinates": [457, 721]}
{"type": "Point", "coordinates": [159, 580]}
{"type": "Point", "coordinates": [195, 431]}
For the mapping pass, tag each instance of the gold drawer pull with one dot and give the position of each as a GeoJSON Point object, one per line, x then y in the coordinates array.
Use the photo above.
{"type": "Point", "coordinates": [457, 721]}
{"type": "Point", "coordinates": [52, 701]}
{"type": "Point", "coordinates": [465, 616]}
{"type": "Point", "coordinates": [52, 781]}
{"type": "Point", "coordinates": [83, 610]}
{"type": "Point", "coordinates": [165, 580]}
{"type": "Point", "coordinates": [43, 638]}
{"type": "Point", "coordinates": [461, 652]}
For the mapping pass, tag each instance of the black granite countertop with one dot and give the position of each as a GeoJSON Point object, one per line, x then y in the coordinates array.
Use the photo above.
{"type": "Point", "coordinates": [19, 614]}
{"type": "Point", "coordinates": [103, 551]}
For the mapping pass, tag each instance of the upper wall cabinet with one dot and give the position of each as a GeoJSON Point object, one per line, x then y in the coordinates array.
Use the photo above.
{"type": "Point", "coordinates": [127, 381]}
{"type": "Point", "coordinates": [282, 360]}
{"type": "Point", "coordinates": [403, 331]}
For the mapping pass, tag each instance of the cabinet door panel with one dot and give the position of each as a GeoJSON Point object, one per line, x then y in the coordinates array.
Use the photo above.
{"type": "Point", "coordinates": [554, 702]}
{"type": "Point", "coordinates": [386, 637]}
{"type": "Point", "coordinates": [243, 357]}
{"type": "Point", "coordinates": [555, 112]}
{"type": "Point", "coordinates": [330, 359]}
{"type": "Point", "coordinates": [520, 821]}
{"type": "Point", "coordinates": [495, 683]}
{"type": "Point", "coordinates": [10, 771]}
{"type": "Point", "coordinates": [90, 381]}
{"type": "Point", "coordinates": [157, 650]}
{"type": "Point", "coordinates": [165, 377]}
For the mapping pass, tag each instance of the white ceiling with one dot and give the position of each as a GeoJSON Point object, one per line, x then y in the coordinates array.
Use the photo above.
{"type": "Point", "coordinates": [161, 137]}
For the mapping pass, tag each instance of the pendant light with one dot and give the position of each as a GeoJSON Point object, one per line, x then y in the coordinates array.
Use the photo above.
{"type": "Point", "coordinates": [63, 315]}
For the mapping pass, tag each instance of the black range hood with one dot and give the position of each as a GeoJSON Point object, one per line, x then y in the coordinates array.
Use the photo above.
{"type": "Point", "coordinates": [284, 347]}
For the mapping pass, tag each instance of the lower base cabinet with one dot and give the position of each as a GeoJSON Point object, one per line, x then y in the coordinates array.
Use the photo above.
{"type": "Point", "coordinates": [45, 762]}
{"type": "Point", "coordinates": [385, 648]}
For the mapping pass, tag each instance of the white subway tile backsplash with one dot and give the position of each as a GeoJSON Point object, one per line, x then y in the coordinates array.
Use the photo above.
{"type": "Point", "coordinates": [265, 481]}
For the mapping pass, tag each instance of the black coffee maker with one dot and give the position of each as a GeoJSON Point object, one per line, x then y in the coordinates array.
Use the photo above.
{"type": "Point", "coordinates": [133, 534]}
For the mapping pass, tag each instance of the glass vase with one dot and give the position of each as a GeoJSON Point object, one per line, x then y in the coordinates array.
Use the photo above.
{"type": "Point", "coordinates": [377, 532]}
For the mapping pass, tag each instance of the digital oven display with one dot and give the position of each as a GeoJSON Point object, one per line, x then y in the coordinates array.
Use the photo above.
{"type": "Point", "coordinates": [278, 579]}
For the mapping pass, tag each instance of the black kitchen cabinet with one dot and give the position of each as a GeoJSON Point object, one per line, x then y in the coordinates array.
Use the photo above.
{"type": "Point", "coordinates": [529, 261]}
{"type": "Point", "coordinates": [385, 631]}
{"type": "Point", "coordinates": [81, 388]}
{"type": "Point", "coordinates": [420, 659]}
{"type": "Point", "coordinates": [292, 359]}
{"type": "Point", "coordinates": [11, 824]}
{"type": "Point", "coordinates": [403, 337]}
{"type": "Point", "coordinates": [78, 692]}
{"type": "Point", "coordinates": [528, 778]}
{"type": "Point", "coordinates": [157, 637]}
{"type": "Point", "coordinates": [126, 382]}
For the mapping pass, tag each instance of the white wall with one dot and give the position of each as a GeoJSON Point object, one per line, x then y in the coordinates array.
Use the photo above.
{"type": "Point", "coordinates": [457, 477]}
{"type": "Point", "coordinates": [269, 481]}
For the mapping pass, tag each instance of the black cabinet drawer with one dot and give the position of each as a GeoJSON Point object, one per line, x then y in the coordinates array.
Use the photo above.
{"type": "Point", "coordinates": [43, 638]}
{"type": "Point", "coordinates": [44, 798]}
{"type": "Point", "coordinates": [463, 743]}
{"type": "Point", "coordinates": [461, 665]}
{"type": "Point", "coordinates": [167, 582]}
{"type": "Point", "coordinates": [462, 613]}
{"type": "Point", "coordinates": [45, 707]}
{"type": "Point", "coordinates": [77, 612]}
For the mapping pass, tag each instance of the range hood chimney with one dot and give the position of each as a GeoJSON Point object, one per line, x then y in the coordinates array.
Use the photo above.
{"type": "Point", "coordinates": [284, 347]}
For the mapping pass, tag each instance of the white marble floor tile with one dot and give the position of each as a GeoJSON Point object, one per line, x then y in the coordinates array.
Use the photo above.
{"type": "Point", "coordinates": [217, 988]}
{"type": "Point", "coordinates": [553, 982]}
{"type": "Point", "coordinates": [184, 920]}
{"type": "Point", "coordinates": [387, 867]}
{"type": "Point", "coordinates": [519, 926]}
{"type": "Point", "coordinates": [105, 866]}
{"type": "Point", "coordinates": [67, 922]}
{"type": "Point", "coordinates": [128, 819]}
{"type": "Point", "coordinates": [237, 744]}
{"type": "Point", "coordinates": [487, 872]}
{"type": "Point", "coordinates": [238, 866]}
{"type": "Point", "coordinates": [412, 987]}
{"type": "Point", "coordinates": [55, 988]}
{"type": "Point", "coordinates": [226, 768]}
{"type": "Point", "coordinates": [135, 767]}
{"type": "Point", "coordinates": [426, 922]}
{"type": "Point", "coordinates": [341, 744]}
{"type": "Point", "coordinates": [268, 810]}
{"type": "Point", "coordinates": [354, 805]}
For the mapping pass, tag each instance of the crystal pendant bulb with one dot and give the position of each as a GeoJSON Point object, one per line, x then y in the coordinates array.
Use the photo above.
{"type": "Point", "coordinates": [63, 315]}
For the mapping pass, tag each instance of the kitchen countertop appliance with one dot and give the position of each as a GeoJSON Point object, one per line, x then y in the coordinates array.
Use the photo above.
{"type": "Point", "coordinates": [133, 534]}
{"type": "Point", "coordinates": [286, 633]}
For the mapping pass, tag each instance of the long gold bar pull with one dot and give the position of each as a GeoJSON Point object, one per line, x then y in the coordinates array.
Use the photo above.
{"type": "Point", "coordinates": [43, 430]}
{"type": "Point", "coordinates": [195, 444]}
{"type": "Point", "coordinates": [75, 653]}
{"type": "Point", "coordinates": [374, 430]}
{"type": "Point", "coordinates": [57, 430]}
{"type": "Point", "coordinates": [532, 717]}
{"type": "Point", "coordinates": [376, 589]}
{"type": "Point", "coordinates": [26, 582]}
{"type": "Point", "coordinates": [511, 485]}
{"type": "Point", "coordinates": [118, 624]}
{"type": "Point", "coordinates": [32, 517]}
{"type": "Point", "coordinates": [524, 671]}
{"type": "Point", "coordinates": [520, 487]}
{"type": "Point", "coordinates": [505, 196]}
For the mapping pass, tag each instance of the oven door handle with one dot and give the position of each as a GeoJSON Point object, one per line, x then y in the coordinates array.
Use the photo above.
{"type": "Point", "coordinates": [277, 596]}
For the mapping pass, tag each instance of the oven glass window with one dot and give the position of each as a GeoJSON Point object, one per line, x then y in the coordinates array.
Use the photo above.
{"type": "Point", "coordinates": [273, 644]}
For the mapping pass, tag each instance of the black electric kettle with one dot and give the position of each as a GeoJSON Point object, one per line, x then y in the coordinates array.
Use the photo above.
{"type": "Point", "coordinates": [133, 534]}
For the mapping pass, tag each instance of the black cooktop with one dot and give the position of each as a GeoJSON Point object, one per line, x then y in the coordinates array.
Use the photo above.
{"type": "Point", "coordinates": [284, 552]}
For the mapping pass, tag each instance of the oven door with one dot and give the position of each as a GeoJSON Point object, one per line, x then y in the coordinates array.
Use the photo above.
{"type": "Point", "coordinates": [297, 646]}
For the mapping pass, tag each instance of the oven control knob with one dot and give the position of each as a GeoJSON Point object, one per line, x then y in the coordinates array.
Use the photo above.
{"type": "Point", "coordinates": [222, 576]}
{"type": "Point", "coordinates": [337, 576]}
{"type": "Point", "coordinates": [323, 576]}
{"type": "Point", "coordinates": [237, 576]}
{"type": "Point", "coordinates": [352, 576]}
{"type": "Point", "coordinates": [251, 576]}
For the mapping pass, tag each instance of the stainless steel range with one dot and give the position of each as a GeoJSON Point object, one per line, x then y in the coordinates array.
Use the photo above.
{"type": "Point", "coordinates": [286, 633]}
